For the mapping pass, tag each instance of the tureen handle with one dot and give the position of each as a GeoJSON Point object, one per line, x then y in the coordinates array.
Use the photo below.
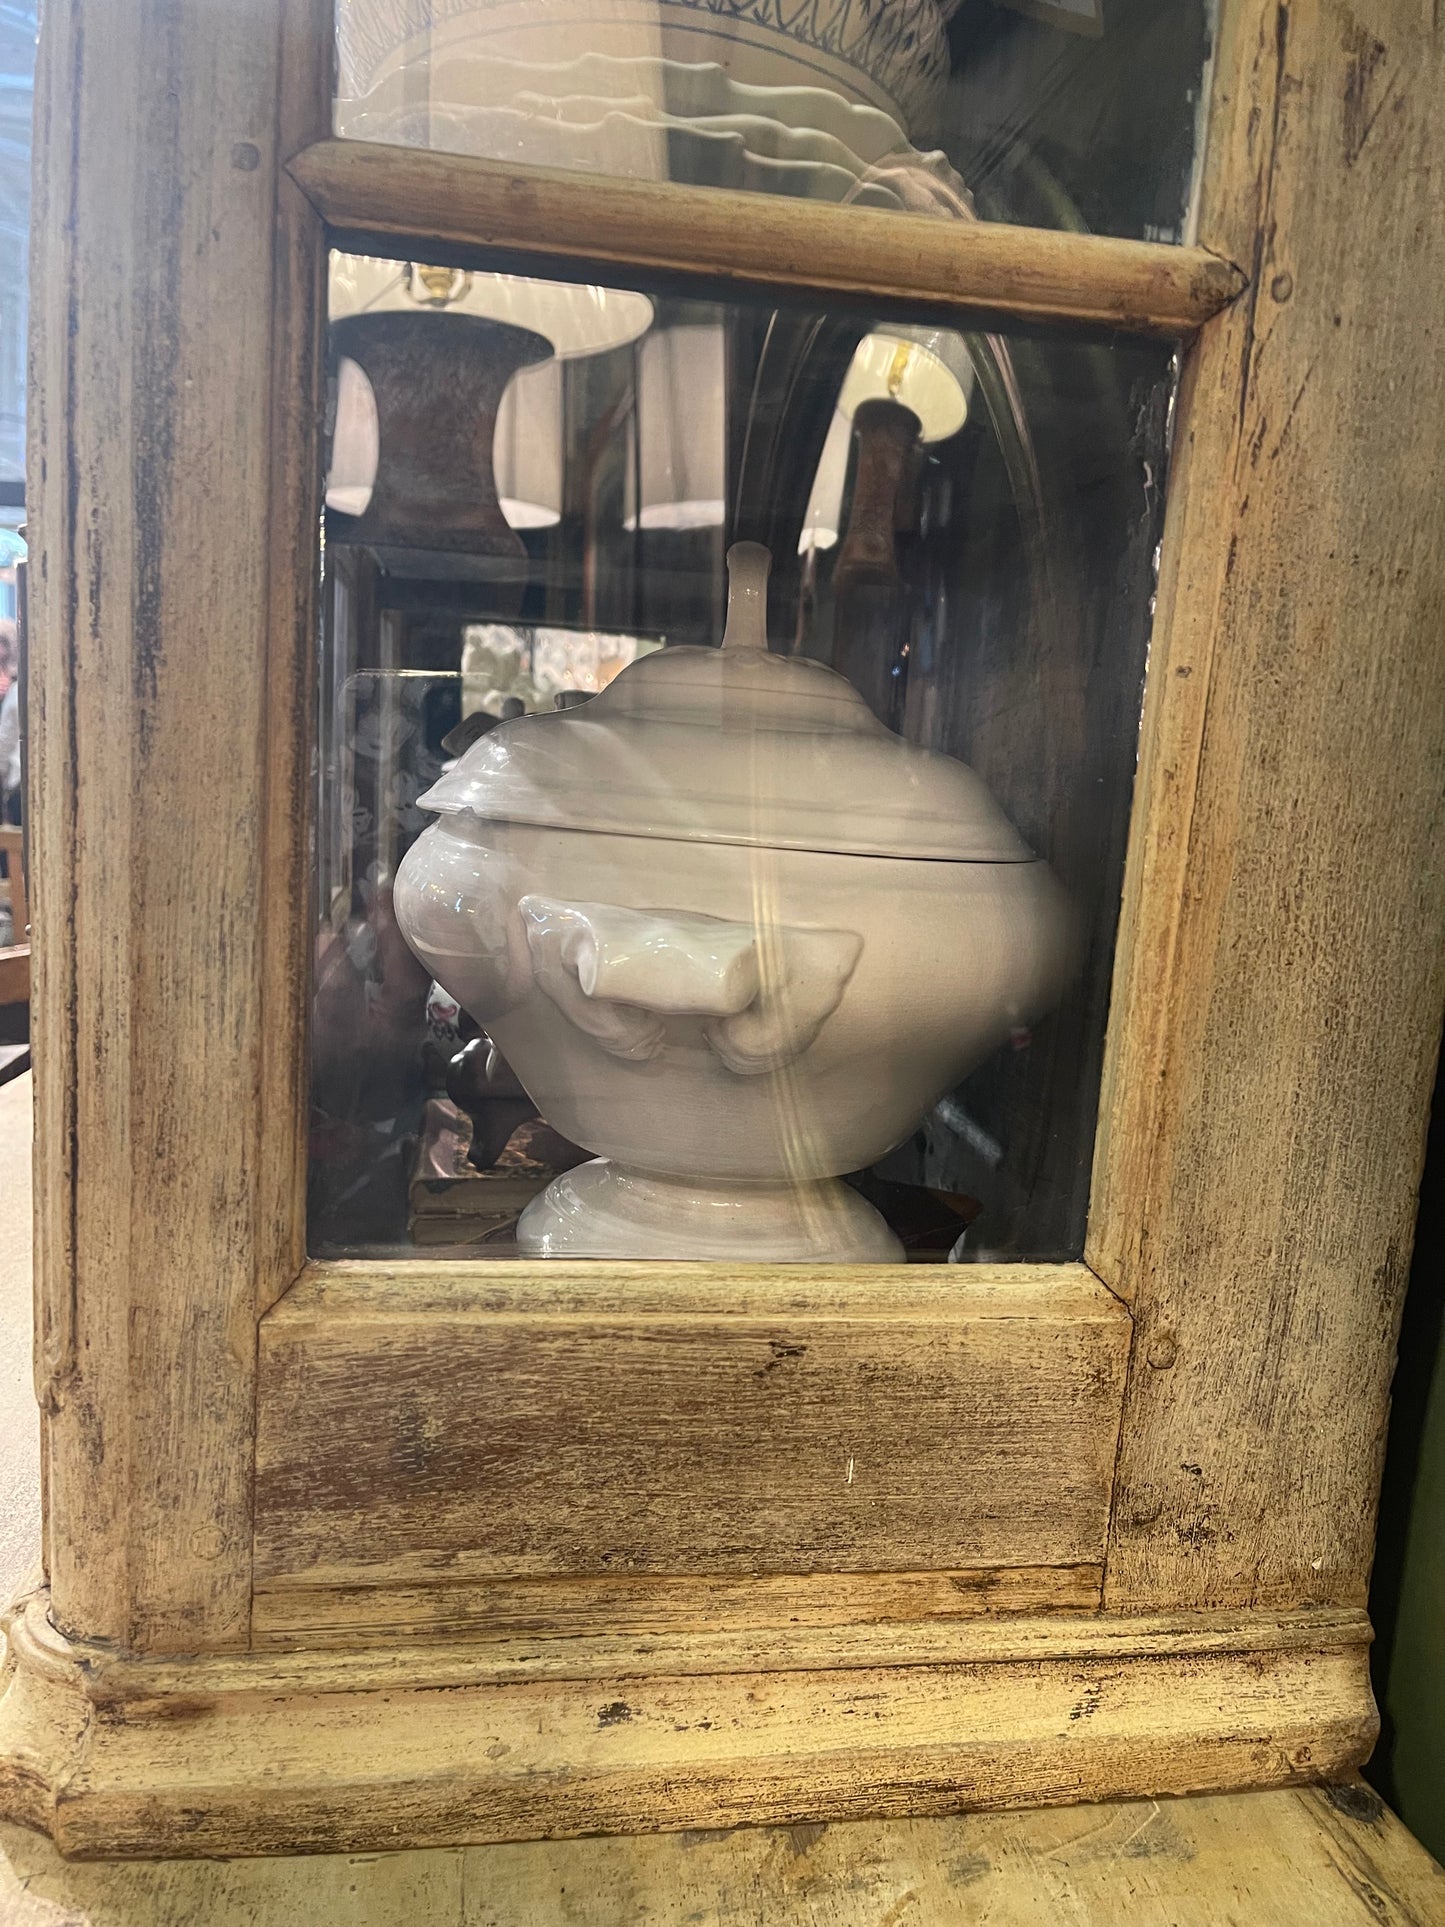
{"type": "Point", "coordinates": [804, 978]}
{"type": "Point", "coordinates": [620, 974]}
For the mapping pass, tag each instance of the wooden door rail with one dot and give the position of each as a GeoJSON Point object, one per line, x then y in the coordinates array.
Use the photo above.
{"type": "Point", "coordinates": [572, 226]}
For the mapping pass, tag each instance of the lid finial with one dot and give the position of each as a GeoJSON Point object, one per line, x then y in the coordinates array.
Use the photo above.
{"type": "Point", "coordinates": [747, 626]}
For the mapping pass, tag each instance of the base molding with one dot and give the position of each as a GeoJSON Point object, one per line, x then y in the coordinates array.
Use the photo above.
{"type": "Point", "coordinates": [222, 1756]}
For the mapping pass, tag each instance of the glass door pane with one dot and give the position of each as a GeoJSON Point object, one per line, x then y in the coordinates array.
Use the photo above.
{"type": "Point", "coordinates": [812, 944]}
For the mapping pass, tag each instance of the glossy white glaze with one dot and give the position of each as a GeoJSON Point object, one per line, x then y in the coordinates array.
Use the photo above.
{"type": "Point", "coordinates": [889, 54]}
{"type": "Point", "coordinates": [610, 1210]}
{"type": "Point", "coordinates": [950, 958]}
{"type": "Point", "coordinates": [728, 1013]}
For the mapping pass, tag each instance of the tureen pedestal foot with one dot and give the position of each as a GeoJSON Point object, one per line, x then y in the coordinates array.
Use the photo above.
{"type": "Point", "coordinates": [608, 1210]}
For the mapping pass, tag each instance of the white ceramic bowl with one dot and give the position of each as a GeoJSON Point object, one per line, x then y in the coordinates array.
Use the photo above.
{"type": "Point", "coordinates": [762, 136]}
{"type": "Point", "coordinates": [886, 980]}
{"type": "Point", "coordinates": [465, 81]}
{"type": "Point", "coordinates": [733, 936]}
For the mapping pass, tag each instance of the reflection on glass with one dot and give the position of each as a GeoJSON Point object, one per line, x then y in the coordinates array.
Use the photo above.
{"type": "Point", "coordinates": [1056, 112]}
{"type": "Point", "coordinates": [538, 667]}
{"type": "Point", "coordinates": [926, 371]}
{"type": "Point", "coordinates": [527, 447]}
{"type": "Point", "coordinates": [811, 942]}
{"type": "Point", "coordinates": [678, 475]}
{"type": "Point", "coordinates": [447, 408]}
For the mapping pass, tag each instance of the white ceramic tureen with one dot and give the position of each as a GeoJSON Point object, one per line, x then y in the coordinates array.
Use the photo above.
{"type": "Point", "coordinates": [734, 936]}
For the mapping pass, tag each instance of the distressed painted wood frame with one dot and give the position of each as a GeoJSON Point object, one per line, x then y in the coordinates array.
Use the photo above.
{"type": "Point", "coordinates": [1156, 1582]}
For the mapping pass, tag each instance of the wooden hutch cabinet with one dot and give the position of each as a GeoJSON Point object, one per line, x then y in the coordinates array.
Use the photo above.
{"type": "Point", "coordinates": [368, 1552]}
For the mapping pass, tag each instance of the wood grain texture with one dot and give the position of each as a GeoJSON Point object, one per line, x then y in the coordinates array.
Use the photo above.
{"type": "Point", "coordinates": [40, 1889]}
{"type": "Point", "coordinates": [1331, 1857]}
{"type": "Point", "coordinates": [705, 1655]}
{"type": "Point", "coordinates": [297, 401]}
{"type": "Point", "coordinates": [361, 1291]}
{"type": "Point", "coordinates": [318, 1616]}
{"type": "Point", "coordinates": [577, 226]}
{"type": "Point", "coordinates": [488, 1429]}
{"type": "Point", "coordinates": [639, 1648]}
{"type": "Point", "coordinates": [1280, 969]}
{"type": "Point", "coordinates": [157, 438]}
{"type": "Point", "coordinates": [238, 1772]}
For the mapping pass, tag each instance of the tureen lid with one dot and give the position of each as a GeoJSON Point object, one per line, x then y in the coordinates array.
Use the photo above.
{"type": "Point", "coordinates": [732, 745]}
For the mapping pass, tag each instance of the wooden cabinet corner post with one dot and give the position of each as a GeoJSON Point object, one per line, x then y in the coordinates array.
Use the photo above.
{"type": "Point", "coordinates": [1280, 970]}
{"type": "Point", "coordinates": [176, 383]}
{"type": "Point", "coordinates": [1156, 1582]}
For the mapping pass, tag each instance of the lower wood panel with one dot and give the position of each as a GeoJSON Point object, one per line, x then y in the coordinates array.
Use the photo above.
{"type": "Point", "coordinates": [455, 1424]}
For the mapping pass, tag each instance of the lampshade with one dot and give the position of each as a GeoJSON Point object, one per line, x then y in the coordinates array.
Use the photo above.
{"type": "Point", "coordinates": [677, 477]}
{"type": "Point", "coordinates": [576, 320]}
{"type": "Point", "coordinates": [527, 447]}
{"type": "Point", "coordinates": [823, 521]}
{"type": "Point", "coordinates": [927, 370]}
{"type": "Point", "coordinates": [355, 442]}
